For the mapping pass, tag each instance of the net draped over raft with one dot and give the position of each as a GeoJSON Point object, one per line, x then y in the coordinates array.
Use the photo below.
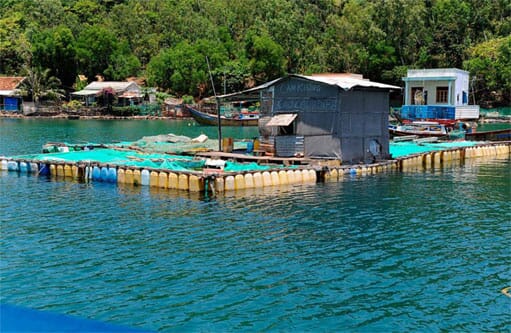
{"type": "Point", "coordinates": [162, 152]}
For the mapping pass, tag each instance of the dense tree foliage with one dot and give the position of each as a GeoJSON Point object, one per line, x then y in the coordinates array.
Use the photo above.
{"type": "Point", "coordinates": [252, 41]}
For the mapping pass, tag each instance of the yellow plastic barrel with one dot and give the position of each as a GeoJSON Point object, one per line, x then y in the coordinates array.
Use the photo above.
{"type": "Point", "coordinates": [74, 171]}
{"type": "Point", "coordinates": [305, 176]}
{"type": "Point", "coordinates": [249, 181]}
{"type": "Point", "coordinates": [437, 157]}
{"type": "Point", "coordinates": [153, 178]}
{"type": "Point", "coordinates": [229, 183]}
{"type": "Point", "coordinates": [227, 145]}
{"type": "Point", "coordinates": [283, 177]}
{"type": "Point", "coordinates": [163, 180]}
{"type": "Point", "coordinates": [183, 182]}
{"type": "Point", "coordinates": [239, 182]}
{"type": "Point", "coordinates": [298, 178]}
{"type": "Point", "coordinates": [219, 184]}
{"type": "Point", "coordinates": [173, 181]}
{"type": "Point", "coordinates": [312, 176]}
{"type": "Point", "coordinates": [121, 176]}
{"type": "Point", "coordinates": [129, 179]}
{"type": "Point", "coordinates": [196, 184]}
{"type": "Point", "coordinates": [256, 144]}
{"type": "Point", "coordinates": [334, 174]}
{"type": "Point", "coordinates": [60, 170]}
{"type": "Point", "coordinates": [274, 178]}
{"type": "Point", "coordinates": [428, 160]}
{"type": "Point", "coordinates": [258, 180]}
{"type": "Point", "coordinates": [68, 172]}
{"type": "Point", "coordinates": [137, 177]}
{"type": "Point", "coordinates": [266, 178]}
{"type": "Point", "coordinates": [291, 177]}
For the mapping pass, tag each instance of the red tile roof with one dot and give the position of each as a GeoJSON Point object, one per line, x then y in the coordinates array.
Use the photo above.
{"type": "Point", "coordinates": [10, 82]}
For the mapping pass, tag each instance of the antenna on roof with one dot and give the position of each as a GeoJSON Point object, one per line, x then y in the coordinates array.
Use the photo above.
{"type": "Point", "coordinates": [217, 107]}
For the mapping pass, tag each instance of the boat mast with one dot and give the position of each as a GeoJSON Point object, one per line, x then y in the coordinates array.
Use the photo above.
{"type": "Point", "coordinates": [217, 108]}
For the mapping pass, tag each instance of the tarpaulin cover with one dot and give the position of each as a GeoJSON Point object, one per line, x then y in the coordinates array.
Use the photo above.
{"type": "Point", "coordinates": [134, 158]}
{"type": "Point", "coordinates": [399, 149]}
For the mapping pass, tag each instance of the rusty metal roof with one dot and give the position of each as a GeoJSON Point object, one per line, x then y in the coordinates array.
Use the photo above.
{"type": "Point", "coordinates": [10, 82]}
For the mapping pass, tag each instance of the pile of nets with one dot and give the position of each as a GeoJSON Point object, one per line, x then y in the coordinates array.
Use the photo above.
{"type": "Point", "coordinates": [162, 152]}
{"type": "Point", "coordinates": [176, 144]}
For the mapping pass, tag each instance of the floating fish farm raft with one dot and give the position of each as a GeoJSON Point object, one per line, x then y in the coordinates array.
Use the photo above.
{"type": "Point", "coordinates": [184, 164]}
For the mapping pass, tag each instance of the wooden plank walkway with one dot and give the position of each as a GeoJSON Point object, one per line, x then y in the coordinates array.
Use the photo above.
{"type": "Point", "coordinates": [255, 158]}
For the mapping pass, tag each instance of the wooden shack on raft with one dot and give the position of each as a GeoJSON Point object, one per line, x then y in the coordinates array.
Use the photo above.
{"type": "Point", "coordinates": [328, 116]}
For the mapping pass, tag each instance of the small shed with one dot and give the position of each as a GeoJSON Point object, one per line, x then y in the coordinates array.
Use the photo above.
{"type": "Point", "coordinates": [338, 116]}
{"type": "Point", "coordinates": [128, 93]}
{"type": "Point", "coordinates": [10, 95]}
{"type": "Point", "coordinates": [438, 93]}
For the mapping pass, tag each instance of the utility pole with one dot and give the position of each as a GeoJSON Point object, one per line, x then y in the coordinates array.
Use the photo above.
{"type": "Point", "coordinates": [217, 107]}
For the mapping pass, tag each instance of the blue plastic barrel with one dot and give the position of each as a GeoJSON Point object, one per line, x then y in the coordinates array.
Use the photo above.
{"type": "Point", "coordinates": [104, 174]}
{"type": "Point", "coordinates": [44, 169]}
{"type": "Point", "coordinates": [112, 175]}
{"type": "Point", "coordinates": [96, 173]}
{"type": "Point", "coordinates": [250, 146]}
{"type": "Point", "coordinates": [12, 166]}
{"type": "Point", "coordinates": [24, 167]}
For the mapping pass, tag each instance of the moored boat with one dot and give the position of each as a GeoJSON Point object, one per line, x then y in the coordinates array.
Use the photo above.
{"type": "Point", "coordinates": [237, 119]}
{"type": "Point", "coordinates": [497, 135]}
{"type": "Point", "coordinates": [420, 128]}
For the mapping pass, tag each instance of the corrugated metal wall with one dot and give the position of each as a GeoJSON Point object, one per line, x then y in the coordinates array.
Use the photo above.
{"type": "Point", "coordinates": [333, 123]}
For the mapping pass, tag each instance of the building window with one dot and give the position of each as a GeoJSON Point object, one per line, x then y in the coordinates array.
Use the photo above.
{"type": "Point", "coordinates": [442, 94]}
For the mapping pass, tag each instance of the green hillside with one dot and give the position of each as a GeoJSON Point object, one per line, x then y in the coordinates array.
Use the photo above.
{"type": "Point", "coordinates": [251, 41]}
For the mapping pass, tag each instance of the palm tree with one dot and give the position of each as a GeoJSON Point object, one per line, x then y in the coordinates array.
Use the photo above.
{"type": "Point", "coordinates": [38, 83]}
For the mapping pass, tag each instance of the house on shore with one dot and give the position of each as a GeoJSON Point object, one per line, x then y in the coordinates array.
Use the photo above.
{"type": "Point", "coordinates": [10, 95]}
{"type": "Point", "coordinates": [127, 93]}
{"type": "Point", "coordinates": [441, 93]}
{"type": "Point", "coordinates": [328, 116]}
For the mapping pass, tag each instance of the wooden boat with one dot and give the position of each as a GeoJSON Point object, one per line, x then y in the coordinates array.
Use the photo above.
{"type": "Point", "coordinates": [238, 119]}
{"type": "Point", "coordinates": [420, 129]}
{"type": "Point", "coordinates": [497, 135]}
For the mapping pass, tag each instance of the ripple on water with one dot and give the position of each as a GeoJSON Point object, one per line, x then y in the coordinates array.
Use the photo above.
{"type": "Point", "coordinates": [425, 251]}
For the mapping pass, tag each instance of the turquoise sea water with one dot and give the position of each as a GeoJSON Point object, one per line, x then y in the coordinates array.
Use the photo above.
{"type": "Point", "coordinates": [421, 252]}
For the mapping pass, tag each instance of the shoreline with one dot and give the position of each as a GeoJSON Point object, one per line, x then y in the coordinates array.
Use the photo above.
{"type": "Point", "coordinates": [482, 120]}
{"type": "Point", "coordinates": [85, 117]}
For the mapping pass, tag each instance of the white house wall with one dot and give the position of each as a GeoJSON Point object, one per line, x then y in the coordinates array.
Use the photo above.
{"type": "Point", "coordinates": [426, 78]}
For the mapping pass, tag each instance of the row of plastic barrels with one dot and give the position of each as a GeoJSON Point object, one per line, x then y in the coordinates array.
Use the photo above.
{"type": "Point", "coordinates": [493, 150]}
{"type": "Point", "coordinates": [265, 179]}
{"type": "Point", "coordinates": [197, 182]}
{"type": "Point", "coordinates": [444, 157]}
{"type": "Point", "coordinates": [25, 167]}
{"type": "Point", "coordinates": [164, 179]}
{"type": "Point", "coordinates": [335, 174]}
{"type": "Point", "coordinates": [217, 183]}
{"type": "Point", "coordinates": [432, 159]}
